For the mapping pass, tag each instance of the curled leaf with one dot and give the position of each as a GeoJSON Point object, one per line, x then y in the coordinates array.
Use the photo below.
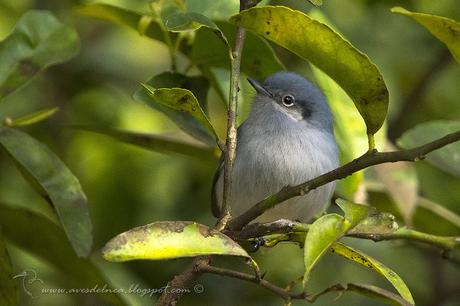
{"type": "Point", "coordinates": [371, 263]}
{"type": "Point", "coordinates": [33, 118]}
{"type": "Point", "coordinates": [168, 240]}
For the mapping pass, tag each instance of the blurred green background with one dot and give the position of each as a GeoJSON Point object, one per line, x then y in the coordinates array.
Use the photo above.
{"type": "Point", "coordinates": [127, 186]}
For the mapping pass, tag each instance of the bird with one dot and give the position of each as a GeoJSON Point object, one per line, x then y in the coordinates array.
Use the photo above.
{"type": "Point", "coordinates": [287, 139]}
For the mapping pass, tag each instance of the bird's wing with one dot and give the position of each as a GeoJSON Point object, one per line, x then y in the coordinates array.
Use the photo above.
{"type": "Point", "coordinates": [215, 207]}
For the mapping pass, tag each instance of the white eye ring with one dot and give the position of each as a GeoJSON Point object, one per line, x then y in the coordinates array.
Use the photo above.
{"type": "Point", "coordinates": [288, 100]}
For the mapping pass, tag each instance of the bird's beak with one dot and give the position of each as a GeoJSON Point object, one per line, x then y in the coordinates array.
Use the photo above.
{"type": "Point", "coordinates": [259, 88]}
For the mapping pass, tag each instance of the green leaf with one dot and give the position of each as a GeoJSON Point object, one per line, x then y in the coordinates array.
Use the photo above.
{"type": "Point", "coordinates": [39, 40]}
{"type": "Point", "coordinates": [54, 179]}
{"type": "Point", "coordinates": [316, 2]}
{"type": "Point", "coordinates": [46, 240]}
{"type": "Point", "coordinates": [215, 10]}
{"type": "Point", "coordinates": [321, 235]}
{"type": "Point", "coordinates": [8, 288]}
{"type": "Point", "coordinates": [185, 121]}
{"type": "Point", "coordinates": [327, 50]}
{"type": "Point", "coordinates": [140, 22]}
{"type": "Point", "coordinates": [445, 29]}
{"type": "Point", "coordinates": [354, 213]}
{"type": "Point", "coordinates": [376, 266]}
{"type": "Point", "coordinates": [378, 223]}
{"type": "Point", "coordinates": [373, 292]}
{"type": "Point", "coordinates": [447, 158]}
{"type": "Point", "coordinates": [160, 143]}
{"type": "Point", "coordinates": [31, 118]}
{"type": "Point", "coordinates": [168, 240]}
{"type": "Point", "coordinates": [258, 58]}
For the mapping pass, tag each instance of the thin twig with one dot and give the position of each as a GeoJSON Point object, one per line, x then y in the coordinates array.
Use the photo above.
{"type": "Point", "coordinates": [366, 160]}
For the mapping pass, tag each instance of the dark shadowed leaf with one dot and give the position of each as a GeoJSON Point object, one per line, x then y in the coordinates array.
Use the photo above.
{"type": "Point", "coordinates": [46, 240]}
{"type": "Point", "coordinates": [38, 41]}
{"type": "Point", "coordinates": [8, 288]}
{"type": "Point", "coordinates": [258, 59]}
{"type": "Point", "coordinates": [168, 240]}
{"type": "Point", "coordinates": [185, 121]}
{"type": "Point", "coordinates": [160, 143]}
{"type": "Point", "coordinates": [137, 21]}
{"type": "Point", "coordinates": [32, 118]}
{"type": "Point", "coordinates": [327, 50]}
{"type": "Point", "coordinates": [445, 29]}
{"type": "Point", "coordinates": [446, 158]}
{"type": "Point", "coordinates": [376, 266]}
{"type": "Point", "coordinates": [55, 182]}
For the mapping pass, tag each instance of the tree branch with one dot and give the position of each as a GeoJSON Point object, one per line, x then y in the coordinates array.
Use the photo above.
{"type": "Point", "coordinates": [230, 150]}
{"type": "Point", "coordinates": [366, 160]}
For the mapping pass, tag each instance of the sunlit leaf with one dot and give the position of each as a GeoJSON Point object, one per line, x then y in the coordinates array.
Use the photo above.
{"type": "Point", "coordinates": [319, 44]}
{"type": "Point", "coordinates": [32, 118]}
{"type": "Point", "coordinates": [354, 213]}
{"type": "Point", "coordinates": [168, 240]}
{"type": "Point", "coordinates": [447, 158]}
{"type": "Point", "coordinates": [258, 58]}
{"type": "Point", "coordinates": [445, 29]}
{"type": "Point", "coordinates": [376, 266]}
{"type": "Point", "coordinates": [215, 10]}
{"type": "Point", "coordinates": [39, 40]}
{"type": "Point", "coordinates": [46, 240]}
{"type": "Point", "coordinates": [124, 17]}
{"type": "Point", "coordinates": [160, 143]}
{"type": "Point", "coordinates": [321, 235]}
{"type": "Point", "coordinates": [189, 124]}
{"type": "Point", "coordinates": [62, 188]}
{"type": "Point", "coordinates": [8, 288]}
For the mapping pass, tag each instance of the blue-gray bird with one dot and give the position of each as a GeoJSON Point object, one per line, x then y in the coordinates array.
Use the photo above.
{"type": "Point", "coordinates": [287, 139]}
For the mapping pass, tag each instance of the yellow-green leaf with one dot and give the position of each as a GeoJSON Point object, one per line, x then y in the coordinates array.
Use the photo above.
{"type": "Point", "coordinates": [445, 29]}
{"type": "Point", "coordinates": [327, 50]}
{"type": "Point", "coordinates": [354, 213]}
{"type": "Point", "coordinates": [168, 240]}
{"type": "Point", "coordinates": [371, 263]}
{"type": "Point", "coordinates": [316, 2]}
{"type": "Point", "coordinates": [32, 118]}
{"type": "Point", "coordinates": [182, 100]}
{"type": "Point", "coordinates": [321, 235]}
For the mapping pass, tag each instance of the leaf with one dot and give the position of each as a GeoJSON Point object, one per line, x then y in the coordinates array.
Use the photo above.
{"type": "Point", "coordinates": [186, 122]}
{"type": "Point", "coordinates": [354, 213]}
{"type": "Point", "coordinates": [319, 44]}
{"type": "Point", "coordinates": [61, 187]}
{"type": "Point", "coordinates": [8, 288]}
{"type": "Point", "coordinates": [376, 266]}
{"type": "Point", "coordinates": [445, 29]}
{"type": "Point", "coordinates": [137, 21]}
{"type": "Point", "coordinates": [378, 223]}
{"type": "Point", "coordinates": [258, 58]}
{"type": "Point", "coordinates": [168, 240]}
{"type": "Point", "coordinates": [321, 235]}
{"type": "Point", "coordinates": [39, 40]}
{"type": "Point", "coordinates": [159, 143]}
{"type": "Point", "coordinates": [215, 10]}
{"type": "Point", "coordinates": [373, 292]}
{"type": "Point", "coordinates": [32, 118]}
{"type": "Point", "coordinates": [447, 158]}
{"type": "Point", "coordinates": [316, 2]}
{"type": "Point", "coordinates": [440, 210]}
{"type": "Point", "coordinates": [46, 240]}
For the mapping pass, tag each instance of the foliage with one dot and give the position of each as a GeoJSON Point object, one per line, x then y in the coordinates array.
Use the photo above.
{"type": "Point", "coordinates": [198, 43]}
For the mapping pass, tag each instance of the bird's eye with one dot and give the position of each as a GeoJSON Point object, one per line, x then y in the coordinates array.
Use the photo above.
{"type": "Point", "coordinates": [288, 100]}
